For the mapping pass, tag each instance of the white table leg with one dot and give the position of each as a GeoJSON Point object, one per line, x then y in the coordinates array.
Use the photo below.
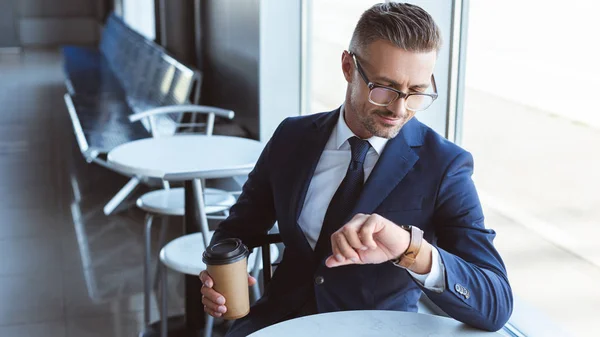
{"type": "Point", "coordinates": [197, 185]}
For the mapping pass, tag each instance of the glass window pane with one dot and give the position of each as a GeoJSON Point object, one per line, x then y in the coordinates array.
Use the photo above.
{"type": "Point", "coordinates": [139, 14]}
{"type": "Point", "coordinates": [533, 128]}
{"type": "Point", "coordinates": [331, 23]}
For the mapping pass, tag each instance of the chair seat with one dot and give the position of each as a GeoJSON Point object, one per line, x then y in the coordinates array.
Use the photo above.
{"type": "Point", "coordinates": [172, 201]}
{"type": "Point", "coordinates": [184, 254]}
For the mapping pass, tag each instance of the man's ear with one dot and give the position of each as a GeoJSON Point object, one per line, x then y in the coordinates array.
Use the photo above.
{"type": "Point", "coordinates": [347, 66]}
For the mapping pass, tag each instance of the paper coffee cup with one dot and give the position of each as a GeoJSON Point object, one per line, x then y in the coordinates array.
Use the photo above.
{"type": "Point", "coordinates": [226, 263]}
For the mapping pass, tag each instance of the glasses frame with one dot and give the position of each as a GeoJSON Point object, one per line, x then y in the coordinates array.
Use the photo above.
{"type": "Point", "coordinates": [399, 94]}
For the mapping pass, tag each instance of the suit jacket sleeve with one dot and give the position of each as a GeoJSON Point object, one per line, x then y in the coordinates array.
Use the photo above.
{"type": "Point", "coordinates": [254, 213]}
{"type": "Point", "coordinates": [476, 291]}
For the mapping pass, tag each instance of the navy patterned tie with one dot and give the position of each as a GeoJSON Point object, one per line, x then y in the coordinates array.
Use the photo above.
{"type": "Point", "coordinates": [345, 197]}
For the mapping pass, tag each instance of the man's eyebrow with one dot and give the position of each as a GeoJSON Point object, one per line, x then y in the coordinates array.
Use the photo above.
{"type": "Point", "coordinates": [387, 80]}
{"type": "Point", "coordinates": [419, 86]}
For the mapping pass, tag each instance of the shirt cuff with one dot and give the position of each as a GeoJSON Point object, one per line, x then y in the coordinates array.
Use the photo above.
{"type": "Point", "coordinates": [435, 279]}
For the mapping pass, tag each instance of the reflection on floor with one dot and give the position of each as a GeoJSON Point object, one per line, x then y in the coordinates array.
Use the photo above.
{"type": "Point", "coordinates": [65, 268]}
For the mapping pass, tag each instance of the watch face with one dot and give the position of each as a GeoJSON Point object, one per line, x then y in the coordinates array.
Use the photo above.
{"type": "Point", "coordinates": [406, 227]}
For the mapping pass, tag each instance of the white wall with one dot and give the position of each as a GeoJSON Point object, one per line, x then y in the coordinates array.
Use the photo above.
{"type": "Point", "coordinates": [57, 22]}
{"type": "Point", "coordinates": [279, 67]}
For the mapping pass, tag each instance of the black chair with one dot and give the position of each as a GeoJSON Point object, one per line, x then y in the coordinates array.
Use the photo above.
{"type": "Point", "coordinates": [265, 244]}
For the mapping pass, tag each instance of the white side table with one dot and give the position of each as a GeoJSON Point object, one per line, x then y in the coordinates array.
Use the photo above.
{"type": "Point", "coordinates": [372, 323]}
{"type": "Point", "coordinates": [189, 158]}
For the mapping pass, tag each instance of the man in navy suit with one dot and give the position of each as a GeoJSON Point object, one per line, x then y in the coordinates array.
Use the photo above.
{"type": "Point", "coordinates": [374, 208]}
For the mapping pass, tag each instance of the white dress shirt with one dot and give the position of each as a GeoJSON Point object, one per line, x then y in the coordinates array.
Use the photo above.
{"type": "Point", "coordinates": [331, 170]}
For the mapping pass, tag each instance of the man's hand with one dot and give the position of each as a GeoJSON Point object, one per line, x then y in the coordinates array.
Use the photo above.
{"type": "Point", "coordinates": [214, 303]}
{"type": "Point", "coordinates": [367, 239]}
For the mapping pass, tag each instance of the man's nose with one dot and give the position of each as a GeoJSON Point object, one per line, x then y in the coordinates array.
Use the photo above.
{"type": "Point", "coordinates": [398, 107]}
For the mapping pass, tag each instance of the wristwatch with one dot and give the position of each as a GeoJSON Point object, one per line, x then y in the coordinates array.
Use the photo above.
{"type": "Point", "coordinates": [410, 255]}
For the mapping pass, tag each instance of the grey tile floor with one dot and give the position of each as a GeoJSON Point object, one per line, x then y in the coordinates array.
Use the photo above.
{"type": "Point", "coordinates": [66, 270]}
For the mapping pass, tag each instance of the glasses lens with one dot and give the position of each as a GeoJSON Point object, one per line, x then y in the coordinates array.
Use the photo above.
{"type": "Point", "coordinates": [418, 102]}
{"type": "Point", "coordinates": [382, 96]}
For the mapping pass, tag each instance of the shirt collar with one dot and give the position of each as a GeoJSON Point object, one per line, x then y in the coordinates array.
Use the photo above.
{"type": "Point", "coordinates": [344, 132]}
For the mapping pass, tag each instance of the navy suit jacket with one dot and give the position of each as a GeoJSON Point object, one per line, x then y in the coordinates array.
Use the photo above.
{"type": "Point", "coordinates": [420, 179]}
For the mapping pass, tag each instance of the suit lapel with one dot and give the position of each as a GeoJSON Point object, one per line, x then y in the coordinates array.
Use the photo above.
{"type": "Point", "coordinates": [394, 163]}
{"type": "Point", "coordinates": [308, 154]}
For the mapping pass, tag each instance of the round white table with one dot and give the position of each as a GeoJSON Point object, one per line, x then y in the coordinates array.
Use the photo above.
{"type": "Point", "coordinates": [372, 323]}
{"type": "Point", "coordinates": [188, 158]}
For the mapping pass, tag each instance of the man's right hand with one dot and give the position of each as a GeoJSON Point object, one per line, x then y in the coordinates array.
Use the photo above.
{"type": "Point", "coordinates": [214, 303]}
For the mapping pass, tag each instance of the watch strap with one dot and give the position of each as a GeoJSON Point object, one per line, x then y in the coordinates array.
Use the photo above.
{"type": "Point", "coordinates": [409, 257]}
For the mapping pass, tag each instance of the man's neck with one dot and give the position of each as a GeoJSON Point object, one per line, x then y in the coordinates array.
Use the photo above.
{"type": "Point", "coordinates": [354, 125]}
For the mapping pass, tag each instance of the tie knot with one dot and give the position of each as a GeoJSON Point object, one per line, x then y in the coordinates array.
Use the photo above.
{"type": "Point", "coordinates": [359, 149]}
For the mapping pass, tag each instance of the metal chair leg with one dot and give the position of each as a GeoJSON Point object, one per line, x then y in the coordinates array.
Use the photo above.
{"type": "Point", "coordinates": [163, 232]}
{"type": "Point", "coordinates": [208, 327]}
{"type": "Point", "coordinates": [255, 271]}
{"type": "Point", "coordinates": [164, 301]}
{"type": "Point", "coordinates": [121, 195]}
{"type": "Point", "coordinates": [161, 242]}
{"type": "Point", "coordinates": [147, 265]}
{"type": "Point", "coordinates": [197, 187]}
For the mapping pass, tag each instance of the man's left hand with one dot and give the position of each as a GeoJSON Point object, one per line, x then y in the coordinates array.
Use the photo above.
{"type": "Point", "coordinates": [367, 239]}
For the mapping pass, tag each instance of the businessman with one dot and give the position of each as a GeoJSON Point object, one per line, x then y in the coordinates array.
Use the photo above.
{"type": "Point", "coordinates": [374, 208]}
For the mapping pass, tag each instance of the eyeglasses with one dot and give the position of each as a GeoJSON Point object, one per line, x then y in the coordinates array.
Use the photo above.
{"type": "Point", "coordinates": [381, 95]}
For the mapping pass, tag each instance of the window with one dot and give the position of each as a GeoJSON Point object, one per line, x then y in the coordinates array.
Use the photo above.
{"type": "Point", "coordinates": [328, 27]}
{"type": "Point", "coordinates": [330, 24]}
{"type": "Point", "coordinates": [139, 14]}
{"type": "Point", "coordinates": [530, 119]}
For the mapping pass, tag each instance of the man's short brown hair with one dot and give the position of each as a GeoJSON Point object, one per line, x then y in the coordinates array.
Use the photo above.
{"type": "Point", "coordinates": [406, 26]}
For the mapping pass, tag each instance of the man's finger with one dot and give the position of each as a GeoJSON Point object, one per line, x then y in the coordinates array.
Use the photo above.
{"type": "Point", "coordinates": [206, 280]}
{"type": "Point", "coordinates": [357, 220]}
{"type": "Point", "coordinates": [251, 280]}
{"type": "Point", "coordinates": [353, 225]}
{"type": "Point", "coordinates": [351, 235]}
{"type": "Point", "coordinates": [337, 254]}
{"type": "Point", "coordinates": [367, 230]}
{"type": "Point", "coordinates": [212, 306]}
{"type": "Point", "coordinates": [212, 313]}
{"type": "Point", "coordinates": [344, 247]}
{"type": "Point", "coordinates": [212, 295]}
{"type": "Point", "coordinates": [331, 262]}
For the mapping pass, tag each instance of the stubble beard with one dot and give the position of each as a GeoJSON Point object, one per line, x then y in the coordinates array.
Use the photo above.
{"type": "Point", "coordinates": [369, 122]}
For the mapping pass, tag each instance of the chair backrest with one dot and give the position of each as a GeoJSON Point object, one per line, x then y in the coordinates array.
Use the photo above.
{"type": "Point", "coordinates": [152, 118]}
{"type": "Point", "coordinates": [265, 243]}
{"type": "Point", "coordinates": [123, 48]}
{"type": "Point", "coordinates": [167, 82]}
{"type": "Point", "coordinates": [117, 42]}
{"type": "Point", "coordinates": [150, 77]}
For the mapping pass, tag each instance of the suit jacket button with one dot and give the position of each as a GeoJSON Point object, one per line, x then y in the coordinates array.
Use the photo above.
{"type": "Point", "coordinates": [458, 288]}
{"type": "Point", "coordinates": [319, 280]}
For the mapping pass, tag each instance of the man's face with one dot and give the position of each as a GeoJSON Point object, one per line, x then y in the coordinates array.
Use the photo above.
{"type": "Point", "coordinates": [388, 65]}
